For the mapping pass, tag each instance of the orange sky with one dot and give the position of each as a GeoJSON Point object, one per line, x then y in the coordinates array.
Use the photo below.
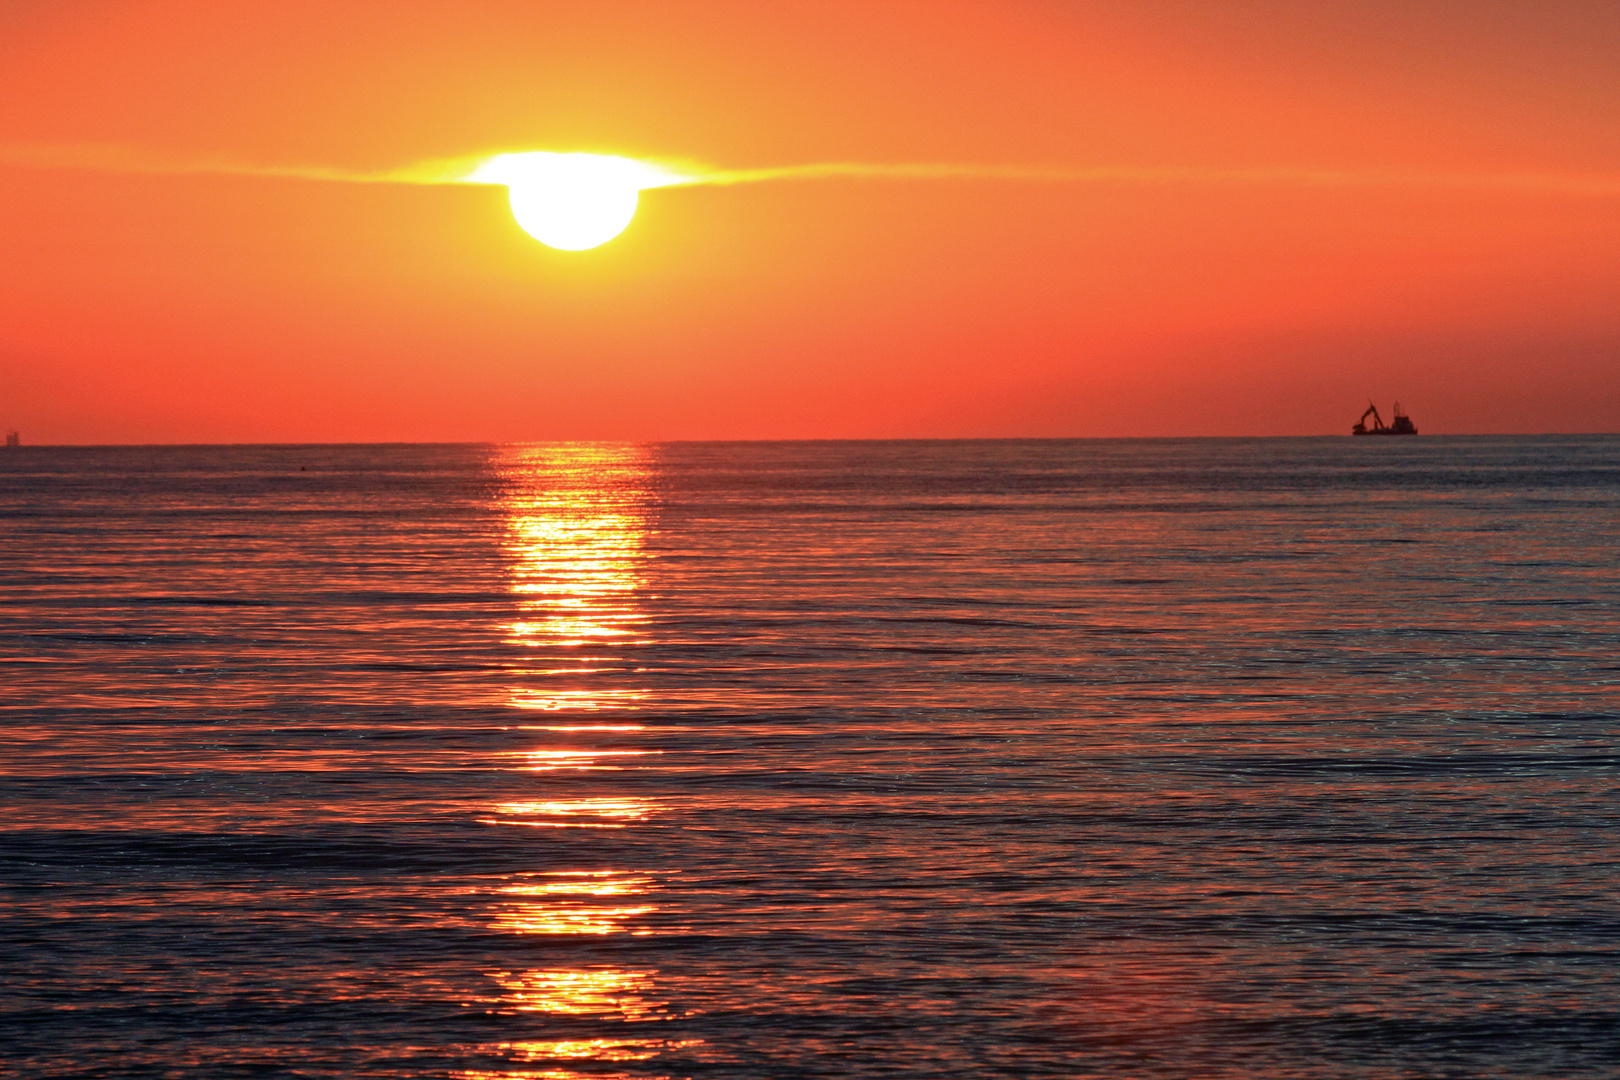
{"type": "Point", "coordinates": [154, 307]}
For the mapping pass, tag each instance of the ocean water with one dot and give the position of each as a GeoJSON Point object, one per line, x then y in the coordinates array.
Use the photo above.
{"type": "Point", "coordinates": [1166, 758]}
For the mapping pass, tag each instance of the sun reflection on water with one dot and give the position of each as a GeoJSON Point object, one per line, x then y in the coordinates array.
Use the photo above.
{"type": "Point", "coordinates": [616, 993]}
{"type": "Point", "coordinates": [579, 1049]}
{"type": "Point", "coordinates": [627, 809]}
{"type": "Point", "coordinates": [599, 813]}
{"type": "Point", "coordinates": [552, 699]}
{"type": "Point", "coordinates": [576, 543]}
{"type": "Point", "coordinates": [569, 905]}
{"type": "Point", "coordinates": [578, 760]}
{"type": "Point", "coordinates": [576, 533]}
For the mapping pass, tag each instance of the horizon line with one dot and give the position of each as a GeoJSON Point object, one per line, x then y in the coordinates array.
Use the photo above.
{"type": "Point", "coordinates": [810, 439]}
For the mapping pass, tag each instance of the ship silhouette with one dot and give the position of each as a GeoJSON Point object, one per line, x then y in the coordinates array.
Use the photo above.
{"type": "Point", "coordinates": [1399, 424]}
{"type": "Point", "coordinates": [13, 439]}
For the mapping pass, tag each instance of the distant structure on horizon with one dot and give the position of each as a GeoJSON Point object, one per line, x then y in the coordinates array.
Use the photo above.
{"type": "Point", "coordinates": [13, 439]}
{"type": "Point", "coordinates": [1399, 424]}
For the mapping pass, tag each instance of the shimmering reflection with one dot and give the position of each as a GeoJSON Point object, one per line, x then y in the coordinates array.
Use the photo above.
{"type": "Point", "coordinates": [572, 813]}
{"type": "Point", "coordinates": [577, 529]}
{"type": "Point", "coordinates": [610, 994]}
{"type": "Point", "coordinates": [576, 534]}
{"type": "Point", "coordinates": [571, 903]}
{"type": "Point", "coordinates": [577, 1050]}
{"type": "Point", "coordinates": [579, 760]}
{"type": "Point", "coordinates": [576, 523]}
{"type": "Point", "coordinates": [597, 1049]}
{"type": "Point", "coordinates": [615, 993]}
{"type": "Point", "coordinates": [575, 699]}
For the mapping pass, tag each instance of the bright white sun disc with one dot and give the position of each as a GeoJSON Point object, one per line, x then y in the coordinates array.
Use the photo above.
{"type": "Point", "coordinates": [572, 201]}
{"type": "Point", "coordinates": [572, 217]}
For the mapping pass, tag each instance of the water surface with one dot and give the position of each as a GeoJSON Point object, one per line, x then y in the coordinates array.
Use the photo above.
{"type": "Point", "coordinates": [1170, 758]}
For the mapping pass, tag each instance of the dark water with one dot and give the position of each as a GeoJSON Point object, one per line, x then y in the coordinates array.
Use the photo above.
{"type": "Point", "coordinates": [1203, 759]}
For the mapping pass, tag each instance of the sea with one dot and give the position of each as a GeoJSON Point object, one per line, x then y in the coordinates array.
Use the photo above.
{"type": "Point", "coordinates": [1180, 758]}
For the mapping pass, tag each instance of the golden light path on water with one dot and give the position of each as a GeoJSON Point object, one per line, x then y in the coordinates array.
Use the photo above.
{"type": "Point", "coordinates": [576, 531]}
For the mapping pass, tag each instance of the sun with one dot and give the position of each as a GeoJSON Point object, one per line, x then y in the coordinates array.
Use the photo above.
{"type": "Point", "coordinates": [572, 202]}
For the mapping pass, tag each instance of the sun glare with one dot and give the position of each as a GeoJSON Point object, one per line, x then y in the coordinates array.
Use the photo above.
{"type": "Point", "coordinates": [572, 201]}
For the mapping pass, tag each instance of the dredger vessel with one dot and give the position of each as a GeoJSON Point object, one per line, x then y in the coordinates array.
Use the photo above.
{"type": "Point", "coordinates": [1399, 424]}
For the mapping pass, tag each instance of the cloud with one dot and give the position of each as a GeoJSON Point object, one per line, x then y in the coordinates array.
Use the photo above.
{"type": "Point", "coordinates": [462, 170]}
{"type": "Point", "coordinates": [132, 160]}
{"type": "Point", "coordinates": [1575, 184]}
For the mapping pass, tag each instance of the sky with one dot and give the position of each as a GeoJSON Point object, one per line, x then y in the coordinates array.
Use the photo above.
{"type": "Point", "coordinates": [1168, 218]}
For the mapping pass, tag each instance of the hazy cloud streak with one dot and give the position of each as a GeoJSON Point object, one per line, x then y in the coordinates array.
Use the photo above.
{"type": "Point", "coordinates": [123, 159]}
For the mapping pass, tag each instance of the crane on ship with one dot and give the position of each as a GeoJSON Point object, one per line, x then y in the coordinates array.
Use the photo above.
{"type": "Point", "coordinates": [1399, 424]}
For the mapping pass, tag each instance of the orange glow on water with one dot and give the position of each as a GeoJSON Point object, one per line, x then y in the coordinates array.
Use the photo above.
{"type": "Point", "coordinates": [584, 700]}
{"type": "Point", "coordinates": [560, 919]}
{"type": "Point", "coordinates": [583, 888]}
{"type": "Point", "coordinates": [576, 535]}
{"type": "Point", "coordinates": [588, 727]}
{"type": "Point", "coordinates": [610, 1050]}
{"type": "Point", "coordinates": [579, 760]}
{"type": "Point", "coordinates": [599, 1049]}
{"type": "Point", "coordinates": [567, 905]}
{"type": "Point", "coordinates": [617, 993]}
{"type": "Point", "coordinates": [577, 528]}
{"type": "Point", "coordinates": [629, 809]}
